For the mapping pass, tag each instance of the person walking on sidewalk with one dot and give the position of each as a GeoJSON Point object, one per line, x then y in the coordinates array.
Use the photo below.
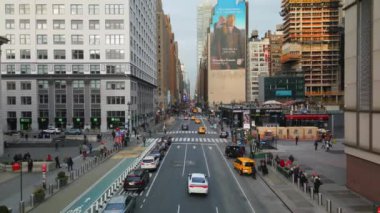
{"type": "Point", "coordinates": [297, 140]}
{"type": "Point", "coordinates": [57, 164]}
{"type": "Point", "coordinates": [315, 145]}
{"type": "Point", "coordinates": [70, 164]}
{"type": "Point", "coordinates": [144, 140]}
{"type": "Point", "coordinates": [30, 165]}
{"type": "Point", "coordinates": [317, 184]}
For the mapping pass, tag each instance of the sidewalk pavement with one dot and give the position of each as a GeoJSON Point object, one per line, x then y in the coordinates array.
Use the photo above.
{"type": "Point", "coordinates": [330, 166]}
{"type": "Point", "coordinates": [10, 182]}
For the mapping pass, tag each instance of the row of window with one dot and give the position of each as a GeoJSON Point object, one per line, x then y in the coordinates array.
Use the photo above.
{"type": "Point", "coordinates": [76, 39]}
{"type": "Point", "coordinates": [41, 24]}
{"type": "Point", "coordinates": [61, 54]}
{"type": "Point", "coordinates": [61, 113]}
{"type": "Point", "coordinates": [61, 99]}
{"type": "Point", "coordinates": [60, 9]}
{"type": "Point", "coordinates": [62, 69]}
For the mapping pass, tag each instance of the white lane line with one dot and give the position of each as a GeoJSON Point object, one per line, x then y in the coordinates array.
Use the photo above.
{"type": "Point", "coordinates": [236, 180]}
{"type": "Point", "coordinates": [178, 146]}
{"type": "Point", "coordinates": [144, 200]}
{"type": "Point", "coordinates": [210, 147]}
{"type": "Point", "coordinates": [217, 210]}
{"type": "Point", "coordinates": [179, 208]}
{"type": "Point", "coordinates": [141, 206]}
{"type": "Point", "coordinates": [204, 155]}
{"type": "Point", "coordinates": [158, 172]}
{"type": "Point", "coordinates": [194, 147]}
{"type": "Point", "coordinates": [184, 161]}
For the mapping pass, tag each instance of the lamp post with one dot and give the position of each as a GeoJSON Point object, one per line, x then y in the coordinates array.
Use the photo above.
{"type": "Point", "coordinates": [129, 118]}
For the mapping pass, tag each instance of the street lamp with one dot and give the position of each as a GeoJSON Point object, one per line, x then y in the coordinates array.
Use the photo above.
{"type": "Point", "coordinates": [129, 118]}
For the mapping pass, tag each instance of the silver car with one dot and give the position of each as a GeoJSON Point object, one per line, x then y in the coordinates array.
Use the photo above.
{"type": "Point", "coordinates": [121, 204]}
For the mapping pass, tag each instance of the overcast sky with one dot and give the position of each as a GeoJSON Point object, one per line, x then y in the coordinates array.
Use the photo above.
{"type": "Point", "coordinates": [263, 16]}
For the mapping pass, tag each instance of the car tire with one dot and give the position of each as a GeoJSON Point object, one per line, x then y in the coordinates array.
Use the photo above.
{"type": "Point", "coordinates": [240, 172]}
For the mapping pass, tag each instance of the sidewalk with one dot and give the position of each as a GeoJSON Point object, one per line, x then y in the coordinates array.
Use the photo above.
{"type": "Point", "coordinates": [331, 167]}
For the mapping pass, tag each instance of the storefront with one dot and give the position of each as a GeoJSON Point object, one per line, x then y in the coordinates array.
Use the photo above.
{"type": "Point", "coordinates": [95, 122]}
{"type": "Point", "coordinates": [78, 123]}
{"type": "Point", "coordinates": [25, 123]}
{"type": "Point", "coordinates": [114, 122]}
{"type": "Point", "coordinates": [43, 123]}
{"type": "Point", "coordinates": [60, 122]}
{"type": "Point", "coordinates": [12, 123]}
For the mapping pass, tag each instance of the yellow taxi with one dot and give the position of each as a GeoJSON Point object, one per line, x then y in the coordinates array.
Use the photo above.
{"type": "Point", "coordinates": [202, 130]}
{"type": "Point", "coordinates": [193, 118]}
{"type": "Point", "coordinates": [198, 121]}
{"type": "Point", "coordinates": [244, 165]}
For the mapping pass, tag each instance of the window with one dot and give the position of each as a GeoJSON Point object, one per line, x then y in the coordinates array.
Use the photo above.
{"type": "Point", "coordinates": [11, 69]}
{"type": "Point", "coordinates": [76, 39]}
{"type": "Point", "coordinates": [26, 114]}
{"type": "Point", "coordinates": [25, 69]}
{"type": "Point", "coordinates": [11, 85]}
{"type": "Point", "coordinates": [77, 54]}
{"type": "Point", "coordinates": [60, 99]}
{"type": "Point", "coordinates": [114, 54]}
{"type": "Point", "coordinates": [78, 113]}
{"type": "Point", "coordinates": [26, 85]}
{"type": "Point", "coordinates": [93, 9]}
{"type": "Point", "coordinates": [78, 84]}
{"type": "Point", "coordinates": [11, 114]}
{"type": "Point", "coordinates": [95, 99]}
{"type": "Point", "coordinates": [9, 24]}
{"type": "Point", "coordinates": [41, 9]}
{"type": "Point", "coordinates": [114, 24]}
{"type": "Point", "coordinates": [11, 100]}
{"type": "Point", "coordinates": [94, 25]}
{"type": "Point", "coordinates": [44, 99]}
{"type": "Point", "coordinates": [94, 54]}
{"type": "Point", "coordinates": [115, 9]}
{"type": "Point", "coordinates": [95, 84]}
{"type": "Point", "coordinates": [115, 100]}
{"type": "Point", "coordinates": [24, 24]}
{"type": "Point", "coordinates": [42, 69]}
{"type": "Point", "coordinates": [24, 9]}
{"type": "Point", "coordinates": [112, 69]}
{"type": "Point", "coordinates": [9, 9]}
{"type": "Point", "coordinates": [26, 100]}
{"type": "Point", "coordinates": [76, 9]}
{"type": "Point", "coordinates": [61, 113]}
{"type": "Point", "coordinates": [115, 85]}
{"type": "Point", "coordinates": [42, 54]}
{"type": "Point", "coordinates": [25, 54]}
{"type": "Point", "coordinates": [78, 99]}
{"type": "Point", "coordinates": [42, 39]}
{"type": "Point", "coordinates": [94, 39]}
{"type": "Point", "coordinates": [59, 54]}
{"type": "Point", "coordinates": [24, 39]}
{"type": "Point", "coordinates": [59, 84]}
{"type": "Point", "coordinates": [11, 38]}
{"type": "Point", "coordinates": [77, 69]}
{"type": "Point", "coordinates": [59, 39]}
{"type": "Point", "coordinates": [94, 69]}
{"type": "Point", "coordinates": [76, 24]}
{"type": "Point", "coordinates": [10, 54]}
{"type": "Point", "coordinates": [44, 113]}
{"type": "Point", "coordinates": [58, 24]}
{"type": "Point", "coordinates": [115, 39]}
{"type": "Point", "coordinates": [60, 69]}
{"type": "Point", "coordinates": [58, 9]}
{"type": "Point", "coordinates": [95, 113]}
{"type": "Point", "coordinates": [41, 24]}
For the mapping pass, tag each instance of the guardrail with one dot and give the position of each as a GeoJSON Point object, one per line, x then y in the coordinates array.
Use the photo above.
{"type": "Point", "coordinates": [101, 201]}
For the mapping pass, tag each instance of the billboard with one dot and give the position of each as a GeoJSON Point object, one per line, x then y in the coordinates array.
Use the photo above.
{"type": "Point", "coordinates": [228, 35]}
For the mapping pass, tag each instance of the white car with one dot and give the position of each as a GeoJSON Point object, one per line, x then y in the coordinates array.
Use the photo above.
{"type": "Point", "coordinates": [150, 162]}
{"type": "Point", "coordinates": [197, 183]}
{"type": "Point", "coordinates": [52, 130]}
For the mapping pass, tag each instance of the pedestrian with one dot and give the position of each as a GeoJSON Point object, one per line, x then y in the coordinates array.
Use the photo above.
{"type": "Point", "coordinates": [253, 171]}
{"type": "Point", "coordinates": [296, 140]}
{"type": "Point", "coordinates": [113, 134]}
{"type": "Point", "coordinates": [90, 147]}
{"type": "Point", "coordinates": [26, 136]}
{"type": "Point", "coordinates": [317, 184]}
{"type": "Point", "coordinates": [315, 145]}
{"type": "Point", "coordinates": [56, 146]}
{"type": "Point", "coordinates": [303, 179]}
{"type": "Point", "coordinates": [30, 165]}
{"type": "Point", "coordinates": [49, 157]}
{"type": "Point", "coordinates": [70, 164]}
{"type": "Point", "coordinates": [57, 164]}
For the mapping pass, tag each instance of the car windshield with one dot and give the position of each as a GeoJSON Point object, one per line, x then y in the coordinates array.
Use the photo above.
{"type": "Point", "coordinates": [115, 206]}
{"type": "Point", "coordinates": [249, 164]}
{"type": "Point", "coordinates": [133, 178]}
{"type": "Point", "coordinates": [148, 160]}
{"type": "Point", "coordinates": [198, 180]}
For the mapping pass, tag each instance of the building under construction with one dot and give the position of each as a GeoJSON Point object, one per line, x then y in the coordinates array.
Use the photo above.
{"type": "Point", "coordinates": [312, 47]}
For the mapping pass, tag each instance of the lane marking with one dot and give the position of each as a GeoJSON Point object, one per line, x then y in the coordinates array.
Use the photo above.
{"type": "Point", "coordinates": [158, 171]}
{"type": "Point", "coordinates": [141, 206]}
{"type": "Point", "coordinates": [210, 147]}
{"type": "Point", "coordinates": [204, 155]}
{"type": "Point", "coordinates": [194, 147]}
{"type": "Point", "coordinates": [236, 180]}
{"type": "Point", "coordinates": [179, 208]}
{"type": "Point", "coordinates": [217, 210]}
{"type": "Point", "coordinates": [178, 146]}
{"type": "Point", "coordinates": [184, 161]}
{"type": "Point", "coordinates": [144, 200]}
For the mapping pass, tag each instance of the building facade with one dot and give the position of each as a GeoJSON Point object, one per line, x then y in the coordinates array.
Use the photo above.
{"type": "Point", "coordinates": [282, 88]}
{"type": "Point", "coordinates": [312, 46]}
{"type": "Point", "coordinates": [204, 12]}
{"type": "Point", "coordinates": [362, 102]}
{"type": "Point", "coordinates": [275, 50]}
{"type": "Point", "coordinates": [78, 64]}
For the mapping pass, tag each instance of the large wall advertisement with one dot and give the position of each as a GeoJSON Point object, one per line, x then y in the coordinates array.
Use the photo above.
{"type": "Point", "coordinates": [228, 35]}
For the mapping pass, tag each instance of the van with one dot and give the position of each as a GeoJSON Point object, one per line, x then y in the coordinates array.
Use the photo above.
{"type": "Point", "coordinates": [244, 165]}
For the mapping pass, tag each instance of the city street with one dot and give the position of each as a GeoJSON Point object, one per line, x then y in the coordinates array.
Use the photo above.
{"type": "Point", "coordinates": [228, 191]}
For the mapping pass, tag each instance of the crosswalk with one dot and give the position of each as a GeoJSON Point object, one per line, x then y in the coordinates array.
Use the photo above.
{"type": "Point", "coordinates": [190, 132]}
{"type": "Point", "coordinates": [198, 140]}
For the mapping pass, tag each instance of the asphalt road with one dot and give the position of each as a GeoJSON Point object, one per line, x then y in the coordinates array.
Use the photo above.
{"type": "Point", "coordinates": [228, 191]}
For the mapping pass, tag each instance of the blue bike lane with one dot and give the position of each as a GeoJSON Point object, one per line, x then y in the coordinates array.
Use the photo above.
{"type": "Point", "coordinates": [86, 199]}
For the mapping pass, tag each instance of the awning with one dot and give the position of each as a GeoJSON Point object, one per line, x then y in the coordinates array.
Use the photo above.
{"type": "Point", "coordinates": [323, 117]}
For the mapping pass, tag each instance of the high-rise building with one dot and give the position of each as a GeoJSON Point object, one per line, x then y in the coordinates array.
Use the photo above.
{"type": "Point", "coordinates": [204, 12]}
{"type": "Point", "coordinates": [362, 100]}
{"type": "Point", "coordinates": [275, 50]}
{"type": "Point", "coordinates": [312, 46]}
{"type": "Point", "coordinates": [259, 61]}
{"type": "Point", "coordinates": [78, 64]}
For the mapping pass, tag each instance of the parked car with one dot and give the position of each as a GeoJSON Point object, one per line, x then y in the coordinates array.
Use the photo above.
{"type": "Point", "coordinates": [223, 134]}
{"type": "Point", "coordinates": [234, 150]}
{"type": "Point", "coordinates": [185, 127]}
{"type": "Point", "coordinates": [73, 131]}
{"type": "Point", "coordinates": [52, 130]}
{"type": "Point", "coordinates": [197, 183]}
{"type": "Point", "coordinates": [137, 180]}
{"type": "Point", "coordinates": [121, 204]}
{"type": "Point", "coordinates": [150, 162]}
{"type": "Point", "coordinates": [158, 153]}
{"type": "Point", "coordinates": [244, 165]}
